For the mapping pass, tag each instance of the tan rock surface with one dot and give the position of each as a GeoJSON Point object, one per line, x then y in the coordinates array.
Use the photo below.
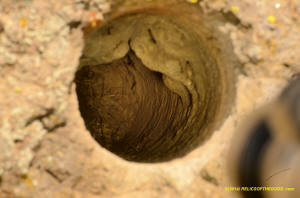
{"type": "Point", "coordinates": [45, 150]}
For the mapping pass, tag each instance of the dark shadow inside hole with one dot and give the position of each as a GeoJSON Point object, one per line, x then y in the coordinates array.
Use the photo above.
{"type": "Point", "coordinates": [128, 109]}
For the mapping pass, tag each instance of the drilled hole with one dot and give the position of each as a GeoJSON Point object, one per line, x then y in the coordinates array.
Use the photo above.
{"type": "Point", "coordinates": [150, 87]}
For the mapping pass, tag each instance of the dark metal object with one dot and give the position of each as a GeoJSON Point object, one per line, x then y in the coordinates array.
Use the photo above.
{"type": "Point", "coordinates": [251, 159]}
{"type": "Point", "coordinates": [266, 153]}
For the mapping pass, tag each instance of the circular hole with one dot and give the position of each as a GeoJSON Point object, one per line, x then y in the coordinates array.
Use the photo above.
{"type": "Point", "coordinates": [152, 87]}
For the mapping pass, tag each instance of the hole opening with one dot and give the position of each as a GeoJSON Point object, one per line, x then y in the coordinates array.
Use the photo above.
{"type": "Point", "coordinates": [150, 87]}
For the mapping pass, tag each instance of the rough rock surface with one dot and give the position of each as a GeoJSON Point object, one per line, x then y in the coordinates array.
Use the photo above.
{"type": "Point", "coordinates": [45, 150]}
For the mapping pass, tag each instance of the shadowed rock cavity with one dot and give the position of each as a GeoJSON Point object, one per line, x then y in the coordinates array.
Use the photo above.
{"type": "Point", "coordinates": [151, 89]}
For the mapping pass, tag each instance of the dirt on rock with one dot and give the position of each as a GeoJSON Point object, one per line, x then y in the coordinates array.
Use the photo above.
{"type": "Point", "coordinates": [45, 149]}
